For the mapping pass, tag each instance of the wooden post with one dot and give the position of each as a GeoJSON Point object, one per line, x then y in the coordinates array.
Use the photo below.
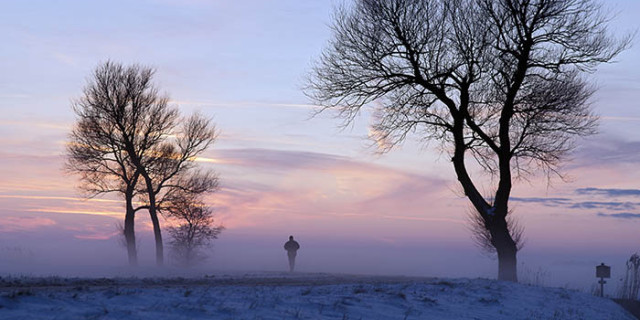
{"type": "Point", "coordinates": [602, 271]}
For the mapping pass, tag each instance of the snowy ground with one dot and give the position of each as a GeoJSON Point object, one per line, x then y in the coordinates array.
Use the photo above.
{"type": "Point", "coordinates": [297, 296]}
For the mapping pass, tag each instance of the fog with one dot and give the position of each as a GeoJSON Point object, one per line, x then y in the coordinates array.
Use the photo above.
{"type": "Point", "coordinates": [239, 252]}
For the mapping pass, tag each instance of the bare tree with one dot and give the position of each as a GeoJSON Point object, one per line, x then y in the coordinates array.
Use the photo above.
{"type": "Point", "coordinates": [195, 227]}
{"type": "Point", "coordinates": [498, 82]}
{"type": "Point", "coordinates": [145, 131]}
{"type": "Point", "coordinates": [170, 168]}
{"type": "Point", "coordinates": [93, 152]}
{"type": "Point", "coordinates": [631, 284]}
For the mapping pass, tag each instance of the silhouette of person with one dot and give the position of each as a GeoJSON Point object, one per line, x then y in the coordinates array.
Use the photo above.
{"type": "Point", "coordinates": [292, 247]}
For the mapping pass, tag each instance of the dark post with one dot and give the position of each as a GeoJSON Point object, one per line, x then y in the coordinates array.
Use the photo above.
{"type": "Point", "coordinates": [602, 272]}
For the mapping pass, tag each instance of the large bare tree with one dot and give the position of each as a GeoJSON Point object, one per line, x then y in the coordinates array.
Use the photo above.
{"type": "Point", "coordinates": [149, 134]}
{"type": "Point", "coordinates": [95, 155]}
{"type": "Point", "coordinates": [499, 82]}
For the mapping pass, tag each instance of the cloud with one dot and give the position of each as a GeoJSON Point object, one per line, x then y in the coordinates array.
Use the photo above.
{"type": "Point", "coordinates": [36, 197]}
{"type": "Point", "coordinates": [236, 104]}
{"type": "Point", "coordinates": [608, 192]}
{"type": "Point", "coordinates": [550, 202]}
{"type": "Point", "coordinates": [283, 187]}
{"type": "Point", "coordinates": [622, 215]}
{"type": "Point", "coordinates": [611, 205]}
{"type": "Point", "coordinates": [13, 224]}
{"type": "Point", "coordinates": [597, 199]}
{"type": "Point", "coordinates": [606, 151]}
{"type": "Point", "coordinates": [278, 159]}
{"type": "Point", "coordinates": [37, 123]}
{"type": "Point", "coordinates": [424, 219]}
{"type": "Point", "coordinates": [382, 142]}
{"type": "Point", "coordinates": [115, 214]}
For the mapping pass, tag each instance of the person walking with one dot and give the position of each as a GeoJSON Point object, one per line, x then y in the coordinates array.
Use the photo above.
{"type": "Point", "coordinates": [292, 247]}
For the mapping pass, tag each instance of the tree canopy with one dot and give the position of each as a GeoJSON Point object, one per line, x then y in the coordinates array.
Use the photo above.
{"type": "Point", "coordinates": [499, 82]}
{"type": "Point", "coordinates": [128, 138]}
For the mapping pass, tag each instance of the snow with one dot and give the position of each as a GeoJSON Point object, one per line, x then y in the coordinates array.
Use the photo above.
{"type": "Point", "coordinates": [293, 296]}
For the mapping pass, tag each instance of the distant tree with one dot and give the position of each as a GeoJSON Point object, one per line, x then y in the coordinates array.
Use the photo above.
{"type": "Point", "coordinates": [498, 82]}
{"type": "Point", "coordinates": [631, 284]}
{"type": "Point", "coordinates": [144, 129]}
{"type": "Point", "coordinates": [195, 228]}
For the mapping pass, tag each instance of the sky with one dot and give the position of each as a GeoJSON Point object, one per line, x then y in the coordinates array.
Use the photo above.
{"type": "Point", "coordinates": [284, 172]}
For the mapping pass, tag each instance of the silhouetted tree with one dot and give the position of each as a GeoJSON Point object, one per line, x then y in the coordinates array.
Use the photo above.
{"type": "Point", "coordinates": [170, 168]}
{"type": "Point", "coordinates": [94, 153]}
{"type": "Point", "coordinates": [631, 284]}
{"type": "Point", "coordinates": [195, 227]}
{"type": "Point", "coordinates": [145, 130]}
{"type": "Point", "coordinates": [495, 81]}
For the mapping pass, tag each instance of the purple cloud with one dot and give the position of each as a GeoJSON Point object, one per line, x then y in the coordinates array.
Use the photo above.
{"type": "Point", "coordinates": [608, 192]}
{"type": "Point", "coordinates": [279, 159]}
{"type": "Point", "coordinates": [622, 215]}
{"type": "Point", "coordinates": [549, 202]}
{"type": "Point", "coordinates": [606, 151]}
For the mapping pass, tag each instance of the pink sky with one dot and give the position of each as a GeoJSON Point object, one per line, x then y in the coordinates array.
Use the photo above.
{"type": "Point", "coordinates": [281, 172]}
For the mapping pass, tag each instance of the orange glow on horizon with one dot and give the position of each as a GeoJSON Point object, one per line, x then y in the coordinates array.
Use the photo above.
{"type": "Point", "coordinates": [10, 196]}
{"type": "Point", "coordinates": [99, 213]}
{"type": "Point", "coordinates": [9, 224]}
{"type": "Point", "coordinates": [211, 160]}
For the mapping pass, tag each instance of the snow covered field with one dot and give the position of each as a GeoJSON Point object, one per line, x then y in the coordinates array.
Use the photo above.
{"type": "Point", "coordinates": [296, 296]}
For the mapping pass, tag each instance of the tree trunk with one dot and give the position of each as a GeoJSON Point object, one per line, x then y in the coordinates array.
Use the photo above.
{"type": "Point", "coordinates": [142, 171]}
{"type": "Point", "coordinates": [507, 249]}
{"type": "Point", "coordinates": [158, 236]}
{"type": "Point", "coordinates": [153, 212]}
{"type": "Point", "coordinates": [129, 234]}
{"type": "Point", "coordinates": [493, 216]}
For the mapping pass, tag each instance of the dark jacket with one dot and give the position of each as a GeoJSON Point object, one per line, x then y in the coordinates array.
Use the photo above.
{"type": "Point", "coordinates": [291, 245]}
